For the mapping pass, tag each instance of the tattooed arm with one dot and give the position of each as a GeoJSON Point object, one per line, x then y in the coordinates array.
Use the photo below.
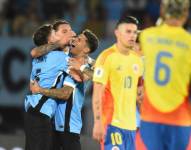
{"type": "Point", "coordinates": [98, 129]}
{"type": "Point", "coordinates": [80, 66]}
{"type": "Point", "coordinates": [89, 70]}
{"type": "Point", "coordinates": [63, 93]}
{"type": "Point", "coordinates": [87, 73]}
{"type": "Point", "coordinates": [140, 92]}
{"type": "Point", "coordinates": [44, 49]}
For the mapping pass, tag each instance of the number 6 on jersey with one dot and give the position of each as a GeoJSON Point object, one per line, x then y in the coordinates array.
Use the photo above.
{"type": "Point", "coordinates": [160, 66]}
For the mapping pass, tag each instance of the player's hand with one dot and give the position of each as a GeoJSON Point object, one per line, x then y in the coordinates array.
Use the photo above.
{"type": "Point", "coordinates": [76, 75]}
{"type": "Point", "coordinates": [34, 87]}
{"type": "Point", "coordinates": [98, 131]}
{"type": "Point", "coordinates": [75, 64]}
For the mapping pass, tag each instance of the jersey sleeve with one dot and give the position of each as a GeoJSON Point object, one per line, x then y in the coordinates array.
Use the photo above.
{"type": "Point", "coordinates": [102, 69]}
{"type": "Point", "coordinates": [69, 81]}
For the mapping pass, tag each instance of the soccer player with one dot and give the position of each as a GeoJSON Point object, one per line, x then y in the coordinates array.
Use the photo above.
{"type": "Point", "coordinates": [47, 70]}
{"type": "Point", "coordinates": [117, 72]}
{"type": "Point", "coordinates": [68, 121]}
{"type": "Point", "coordinates": [61, 31]}
{"type": "Point", "coordinates": [166, 109]}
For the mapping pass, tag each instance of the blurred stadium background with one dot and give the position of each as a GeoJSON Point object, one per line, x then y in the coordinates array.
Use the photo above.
{"type": "Point", "coordinates": [19, 19]}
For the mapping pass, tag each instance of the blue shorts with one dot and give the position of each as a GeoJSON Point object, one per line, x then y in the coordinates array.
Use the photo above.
{"type": "Point", "coordinates": [155, 136]}
{"type": "Point", "coordinates": [119, 139]}
{"type": "Point", "coordinates": [138, 120]}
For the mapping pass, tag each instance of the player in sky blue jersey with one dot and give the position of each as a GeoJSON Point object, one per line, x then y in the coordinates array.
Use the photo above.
{"type": "Point", "coordinates": [47, 70]}
{"type": "Point", "coordinates": [68, 121]}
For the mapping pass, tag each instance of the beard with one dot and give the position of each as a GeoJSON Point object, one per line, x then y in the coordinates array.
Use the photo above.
{"type": "Point", "coordinates": [129, 46]}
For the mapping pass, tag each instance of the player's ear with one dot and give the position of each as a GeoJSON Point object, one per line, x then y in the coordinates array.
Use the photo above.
{"type": "Point", "coordinates": [162, 11]}
{"type": "Point", "coordinates": [116, 32]}
{"type": "Point", "coordinates": [86, 50]}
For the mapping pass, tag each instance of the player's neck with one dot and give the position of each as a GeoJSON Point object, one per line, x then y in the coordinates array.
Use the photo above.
{"type": "Point", "coordinates": [66, 49]}
{"type": "Point", "coordinates": [174, 22]}
{"type": "Point", "coordinates": [80, 57]}
{"type": "Point", "coordinates": [123, 50]}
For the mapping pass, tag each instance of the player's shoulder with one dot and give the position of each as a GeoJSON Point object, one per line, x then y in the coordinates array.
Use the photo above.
{"type": "Point", "coordinates": [108, 51]}
{"type": "Point", "coordinates": [150, 30]}
{"type": "Point", "coordinates": [57, 54]}
{"type": "Point", "coordinates": [186, 39]}
{"type": "Point", "coordinates": [57, 57]}
{"type": "Point", "coordinates": [105, 54]}
{"type": "Point", "coordinates": [187, 35]}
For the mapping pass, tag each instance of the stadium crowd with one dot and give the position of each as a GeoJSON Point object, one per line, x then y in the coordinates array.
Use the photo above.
{"type": "Point", "coordinates": [22, 17]}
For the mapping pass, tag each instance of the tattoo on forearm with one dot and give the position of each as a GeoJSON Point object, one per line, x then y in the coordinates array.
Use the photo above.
{"type": "Point", "coordinates": [97, 117]}
{"type": "Point", "coordinates": [97, 107]}
{"type": "Point", "coordinates": [62, 93]}
{"type": "Point", "coordinates": [44, 49]}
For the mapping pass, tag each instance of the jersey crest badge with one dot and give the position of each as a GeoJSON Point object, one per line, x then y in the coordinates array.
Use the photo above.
{"type": "Point", "coordinates": [135, 68]}
{"type": "Point", "coordinates": [98, 72]}
{"type": "Point", "coordinates": [115, 148]}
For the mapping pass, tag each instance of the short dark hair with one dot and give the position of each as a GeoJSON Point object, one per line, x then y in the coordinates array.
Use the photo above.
{"type": "Point", "coordinates": [92, 40]}
{"type": "Point", "coordinates": [127, 19]}
{"type": "Point", "coordinates": [40, 36]}
{"type": "Point", "coordinates": [57, 23]}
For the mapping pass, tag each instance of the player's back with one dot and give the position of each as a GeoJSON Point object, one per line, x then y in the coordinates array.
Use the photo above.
{"type": "Point", "coordinates": [47, 67]}
{"type": "Point", "coordinates": [167, 53]}
{"type": "Point", "coordinates": [46, 70]}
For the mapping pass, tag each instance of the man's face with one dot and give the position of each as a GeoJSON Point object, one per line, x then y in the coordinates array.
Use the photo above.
{"type": "Point", "coordinates": [52, 38]}
{"type": "Point", "coordinates": [79, 45]}
{"type": "Point", "coordinates": [126, 34]}
{"type": "Point", "coordinates": [64, 34]}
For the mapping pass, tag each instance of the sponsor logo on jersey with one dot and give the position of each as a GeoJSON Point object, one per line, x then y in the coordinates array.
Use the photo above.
{"type": "Point", "coordinates": [135, 68]}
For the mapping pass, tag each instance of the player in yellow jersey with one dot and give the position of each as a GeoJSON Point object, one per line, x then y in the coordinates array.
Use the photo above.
{"type": "Point", "coordinates": [166, 109]}
{"type": "Point", "coordinates": [117, 72]}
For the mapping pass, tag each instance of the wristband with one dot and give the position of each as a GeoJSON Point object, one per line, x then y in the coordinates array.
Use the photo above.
{"type": "Point", "coordinates": [82, 67]}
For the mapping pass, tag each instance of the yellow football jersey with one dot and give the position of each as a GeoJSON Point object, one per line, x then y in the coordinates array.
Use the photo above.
{"type": "Point", "coordinates": [120, 74]}
{"type": "Point", "coordinates": [167, 53]}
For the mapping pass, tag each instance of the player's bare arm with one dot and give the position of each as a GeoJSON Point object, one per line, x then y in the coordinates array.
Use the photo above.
{"type": "Point", "coordinates": [80, 66]}
{"type": "Point", "coordinates": [88, 72]}
{"type": "Point", "coordinates": [91, 61]}
{"type": "Point", "coordinates": [63, 93]}
{"type": "Point", "coordinates": [140, 95]}
{"type": "Point", "coordinates": [140, 91]}
{"type": "Point", "coordinates": [97, 100]}
{"type": "Point", "coordinates": [44, 49]}
{"type": "Point", "coordinates": [98, 129]}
